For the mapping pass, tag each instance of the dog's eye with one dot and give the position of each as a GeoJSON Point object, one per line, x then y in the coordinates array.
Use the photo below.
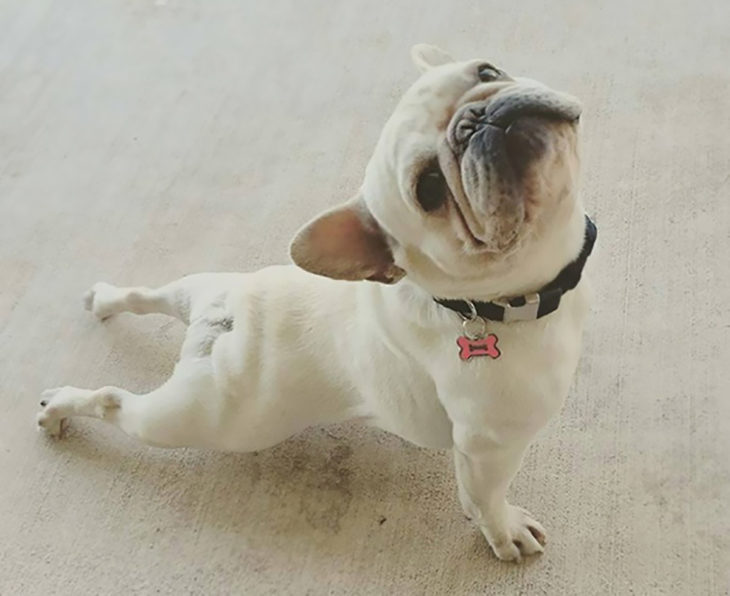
{"type": "Point", "coordinates": [431, 189]}
{"type": "Point", "coordinates": [488, 73]}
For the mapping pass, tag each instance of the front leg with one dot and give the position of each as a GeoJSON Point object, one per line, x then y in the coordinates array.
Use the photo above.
{"type": "Point", "coordinates": [485, 467]}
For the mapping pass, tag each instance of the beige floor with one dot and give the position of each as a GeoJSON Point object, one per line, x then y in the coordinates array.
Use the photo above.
{"type": "Point", "coordinates": [143, 140]}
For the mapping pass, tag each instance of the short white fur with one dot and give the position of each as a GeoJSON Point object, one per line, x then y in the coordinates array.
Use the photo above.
{"type": "Point", "coordinates": [270, 353]}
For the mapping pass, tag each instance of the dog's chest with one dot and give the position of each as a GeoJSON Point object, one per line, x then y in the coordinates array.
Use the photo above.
{"type": "Point", "coordinates": [529, 380]}
{"type": "Point", "coordinates": [403, 398]}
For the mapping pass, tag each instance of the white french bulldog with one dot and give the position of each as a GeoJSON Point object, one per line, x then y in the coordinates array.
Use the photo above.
{"type": "Point", "coordinates": [469, 202]}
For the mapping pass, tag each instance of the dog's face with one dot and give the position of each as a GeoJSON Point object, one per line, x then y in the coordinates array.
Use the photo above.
{"type": "Point", "coordinates": [473, 178]}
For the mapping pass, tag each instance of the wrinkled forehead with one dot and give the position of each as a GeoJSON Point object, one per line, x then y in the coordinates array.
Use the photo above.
{"type": "Point", "coordinates": [425, 110]}
{"type": "Point", "coordinates": [432, 100]}
{"type": "Point", "coordinates": [433, 97]}
{"type": "Point", "coordinates": [421, 117]}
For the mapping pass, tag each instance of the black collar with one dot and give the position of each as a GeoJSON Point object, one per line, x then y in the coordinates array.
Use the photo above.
{"type": "Point", "coordinates": [530, 306]}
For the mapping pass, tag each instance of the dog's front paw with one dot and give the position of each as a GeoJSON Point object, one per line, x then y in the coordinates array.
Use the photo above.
{"type": "Point", "coordinates": [51, 419]}
{"type": "Point", "coordinates": [102, 300]}
{"type": "Point", "coordinates": [515, 536]}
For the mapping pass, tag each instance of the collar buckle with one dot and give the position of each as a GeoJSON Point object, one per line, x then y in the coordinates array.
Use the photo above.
{"type": "Point", "coordinates": [525, 312]}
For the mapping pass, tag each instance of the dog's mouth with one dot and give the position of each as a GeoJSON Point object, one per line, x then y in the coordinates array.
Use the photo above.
{"type": "Point", "coordinates": [463, 225]}
{"type": "Point", "coordinates": [493, 143]}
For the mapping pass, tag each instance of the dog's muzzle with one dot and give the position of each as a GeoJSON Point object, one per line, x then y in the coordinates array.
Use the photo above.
{"type": "Point", "coordinates": [495, 140]}
{"type": "Point", "coordinates": [510, 125]}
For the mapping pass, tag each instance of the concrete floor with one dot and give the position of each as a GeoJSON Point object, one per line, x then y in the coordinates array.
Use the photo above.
{"type": "Point", "coordinates": [140, 141]}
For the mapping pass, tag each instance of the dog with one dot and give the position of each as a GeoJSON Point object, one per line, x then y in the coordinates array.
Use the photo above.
{"type": "Point", "coordinates": [444, 302]}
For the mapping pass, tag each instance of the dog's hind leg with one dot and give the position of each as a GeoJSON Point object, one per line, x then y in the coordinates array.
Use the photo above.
{"type": "Point", "coordinates": [189, 410]}
{"type": "Point", "coordinates": [182, 412]}
{"type": "Point", "coordinates": [182, 299]}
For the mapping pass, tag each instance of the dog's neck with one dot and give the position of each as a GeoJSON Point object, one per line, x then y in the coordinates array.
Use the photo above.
{"type": "Point", "coordinates": [534, 305]}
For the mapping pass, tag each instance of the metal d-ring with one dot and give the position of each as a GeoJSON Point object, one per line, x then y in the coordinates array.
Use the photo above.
{"type": "Point", "coordinates": [474, 326]}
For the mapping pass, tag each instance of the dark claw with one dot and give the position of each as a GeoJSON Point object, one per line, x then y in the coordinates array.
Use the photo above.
{"type": "Point", "coordinates": [537, 534]}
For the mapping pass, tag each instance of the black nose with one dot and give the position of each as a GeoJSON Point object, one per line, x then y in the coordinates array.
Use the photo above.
{"type": "Point", "coordinates": [524, 141]}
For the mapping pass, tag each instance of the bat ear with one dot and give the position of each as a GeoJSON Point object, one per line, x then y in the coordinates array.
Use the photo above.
{"type": "Point", "coordinates": [426, 56]}
{"type": "Point", "coordinates": [346, 243]}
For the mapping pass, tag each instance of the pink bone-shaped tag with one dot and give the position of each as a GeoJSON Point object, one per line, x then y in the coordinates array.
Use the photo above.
{"type": "Point", "coordinates": [486, 346]}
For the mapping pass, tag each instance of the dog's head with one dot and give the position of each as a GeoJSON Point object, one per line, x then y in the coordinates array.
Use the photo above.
{"type": "Point", "coordinates": [471, 190]}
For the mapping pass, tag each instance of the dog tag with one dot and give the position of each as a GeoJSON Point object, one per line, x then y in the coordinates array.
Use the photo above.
{"type": "Point", "coordinates": [473, 348]}
{"type": "Point", "coordinates": [476, 341]}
